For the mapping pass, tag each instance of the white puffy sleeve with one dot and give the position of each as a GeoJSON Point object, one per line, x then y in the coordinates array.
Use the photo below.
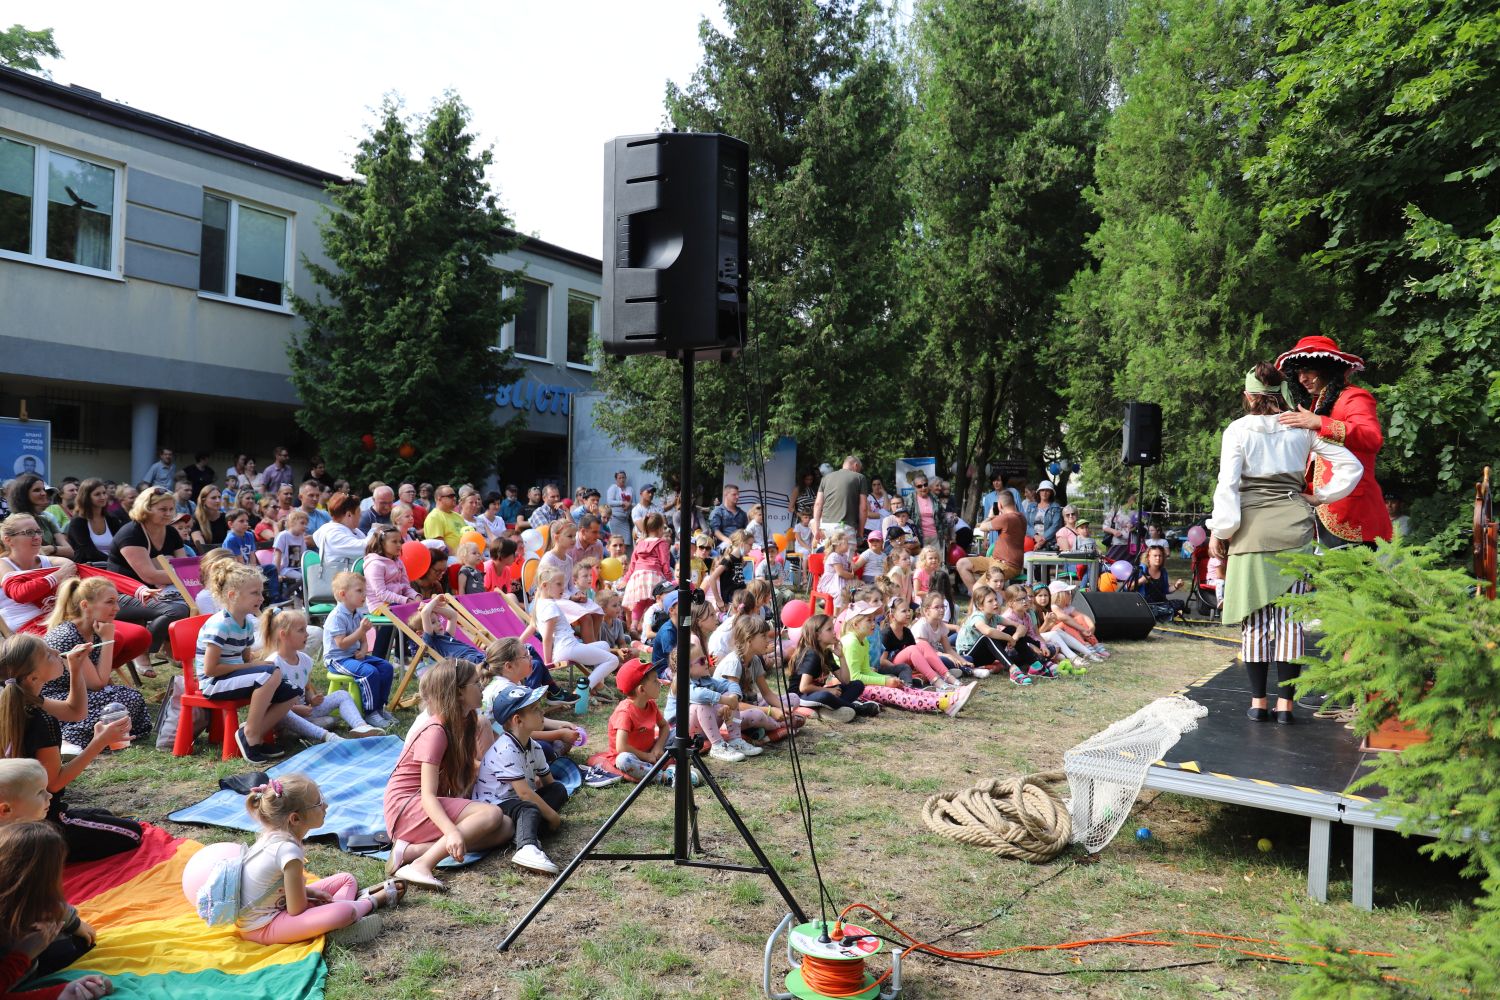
{"type": "Point", "coordinates": [1225, 519]}
{"type": "Point", "coordinates": [1344, 470]}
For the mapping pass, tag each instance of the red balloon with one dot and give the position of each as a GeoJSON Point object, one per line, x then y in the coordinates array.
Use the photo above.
{"type": "Point", "coordinates": [368, 440]}
{"type": "Point", "coordinates": [955, 553]}
{"type": "Point", "coordinates": [794, 613]}
{"type": "Point", "coordinates": [407, 450]}
{"type": "Point", "coordinates": [1029, 544]}
{"type": "Point", "coordinates": [416, 558]}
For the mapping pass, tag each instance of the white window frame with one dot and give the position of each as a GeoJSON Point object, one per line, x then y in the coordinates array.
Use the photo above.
{"type": "Point", "coordinates": [574, 293]}
{"type": "Point", "coordinates": [232, 251]}
{"type": "Point", "coordinates": [40, 152]}
{"type": "Point", "coordinates": [508, 338]}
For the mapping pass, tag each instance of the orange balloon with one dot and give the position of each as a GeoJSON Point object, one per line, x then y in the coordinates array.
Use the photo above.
{"type": "Point", "coordinates": [1107, 582]}
{"type": "Point", "coordinates": [546, 531]}
{"type": "Point", "coordinates": [780, 539]}
{"type": "Point", "coordinates": [472, 536]}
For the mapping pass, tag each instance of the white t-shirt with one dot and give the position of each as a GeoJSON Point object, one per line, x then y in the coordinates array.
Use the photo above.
{"type": "Point", "coordinates": [547, 610]}
{"type": "Point", "coordinates": [262, 884]}
{"type": "Point", "coordinates": [719, 639]}
{"type": "Point", "coordinates": [804, 535]}
{"type": "Point", "coordinates": [871, 564]}
{"type": "Point", "coordinates": [731, 668]}
{"type": "Point", "coordinates": [505, 762]}
{"type": "Point", "coordinates": [291, 548]}
{"type": "Point", "coordinates": [296, 674]}
{"type": "Point", "coordinates": [926, 633]}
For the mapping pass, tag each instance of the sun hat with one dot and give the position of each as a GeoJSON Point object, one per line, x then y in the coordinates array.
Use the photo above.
{"type": "Point", "coordinates": [860, 609]}
{"type": "Point", "coordinates": [513, 699]}
{"type": "Point", "coordinates": [1320, 348]}
{"type": "Point", "coordinates": [1045, 484]}
{"type": "Point", "coordinates": [875, 536]}
{"type": "Point", "coordinates": [629, 676]}
{"type": "Point", "coordinates": [1060, 586]}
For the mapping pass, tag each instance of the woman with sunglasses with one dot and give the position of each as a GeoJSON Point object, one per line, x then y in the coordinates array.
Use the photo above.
{"type": "Point", "coordinates": [138, 545]}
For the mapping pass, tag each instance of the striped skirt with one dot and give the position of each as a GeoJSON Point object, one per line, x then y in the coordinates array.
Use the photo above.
{"type": "Point", "coordinates": [1272, 633]}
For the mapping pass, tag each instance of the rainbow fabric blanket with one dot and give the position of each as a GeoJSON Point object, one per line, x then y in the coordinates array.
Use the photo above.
{"type": "Point", "coordinates": [153, 945]}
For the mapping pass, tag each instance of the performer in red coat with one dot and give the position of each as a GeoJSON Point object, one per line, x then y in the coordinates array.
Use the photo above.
{"type": "Point", "coordinates": [1343, 414]}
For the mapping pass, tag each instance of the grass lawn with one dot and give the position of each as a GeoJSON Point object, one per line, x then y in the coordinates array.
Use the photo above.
{"type": "Point", "coordinates": [650, 930]}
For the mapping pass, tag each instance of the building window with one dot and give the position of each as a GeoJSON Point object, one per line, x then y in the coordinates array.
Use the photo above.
{"type": "Point", "coordinates": [244, 252]}
{"type": "Point", "coordinates": [78, 225]}
{"type": "Point", "coordinates": [531, 321]}
{"type": "Point", "coordinates": [582, 311]}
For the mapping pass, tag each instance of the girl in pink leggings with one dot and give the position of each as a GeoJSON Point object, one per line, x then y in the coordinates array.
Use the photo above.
{"type": "Point", "coordinates": [278, 904]}
{"type": "Point", "coordinates": [904, 657]}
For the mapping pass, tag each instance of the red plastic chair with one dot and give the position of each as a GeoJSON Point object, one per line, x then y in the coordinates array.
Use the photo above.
{"type": "Point", "coordinates": [224, 716]}
{"type": "Point", "coordinates": [816, 596]}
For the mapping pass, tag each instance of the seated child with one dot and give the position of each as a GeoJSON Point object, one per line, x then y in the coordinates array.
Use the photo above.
{"type": "Point", "coordinates": [515, 776]}
{"type": "Point", "coordinates": [584, 577]}
{"type": "Point", "coordinates": [509, 664]}
{"type": "Point", "coordinates": [1074, 622]}
{"type": "Point", "coordinates": [289, 548]}
{"type": "Point", "coordinates": [1048, 627]}
{"type": "Point", "coordinates": [283, 638]}
{"type": "Point", "coordinates": [613, 631]}
{"type": "Point", "coordinates": [277, 903]}
{"type": "Point", "coordinates": [637, 729]}
{"type": "Point", "coordinates": [1022, 644]}
{"type": "Point", "coordinates": [560, 644]}
{"type": "Point", "coordinates": [503, 569]}
{"type": "Point", "coordinates": [743, 603]}
{"type": "Point", "coordinates": [712, 703]}
{"type": "Point", "coordinates": [225, 674]}
{"type": "Point", "coordinates": [744, 667]}
{"type": "Point", "coordinates": [29, 727]}
{"type": "Point", "coordinates": [240, 544]}
{"type": "Point", "coordinates": [983, 637]}
{"type": "Point", "coordinates": [345, 652]}
{"type": "Point", "coordinates": [880, 689]}
{"type": "Point", "coordinates": [470, 571]}
{"type": "Point", "coordinates": [438, 616]}
{"type": "Point", "coordinates": [818, 675]}
{"type": "Point", "coordinates": [903, 654]}
{"type": "Point", "coordinates": [35, 916]}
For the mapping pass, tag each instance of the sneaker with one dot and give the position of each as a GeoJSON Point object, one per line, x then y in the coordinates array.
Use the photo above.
{"type": "Point", "coordinates": [745, 747]}
{"type": "Point", "coordinates": [725, 752]}
{"type": "Point", "coordinates": [866, 709]}
{"type": "Point", "coordinates": [332, 738]}
{"type": "Point", "coordinates": [669, 777]}
{"type": "Point", "coordinates": [362, 931]}
{"type": "Point", "coordinates": [272, 749]}
{"type": "Point", "coordinates": [598, 777]}
{"type": "Point", "coordinates": [532, 857]}
{"type": "Point", "coordinates": [1019, 678]}
{"type": "Point", "coordinates": [957, 699]}
{"type": "Point", "coordinates": [841, 714]}
{"type": "Point", "coordinates": [361, 732]}
{"type": "Point", "coordinates": [982, 673]}
{"type": "Point", "coordinates": [562, 698]}
{"type": "Point", "coordinates": [252, 754]}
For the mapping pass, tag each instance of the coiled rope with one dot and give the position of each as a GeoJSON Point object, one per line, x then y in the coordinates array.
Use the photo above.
{"type": "Point", "coordinates": [1021, 817]}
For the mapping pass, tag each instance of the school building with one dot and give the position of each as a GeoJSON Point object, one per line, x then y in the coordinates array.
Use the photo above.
{"type": "Point", "coordinates": [145, 267]}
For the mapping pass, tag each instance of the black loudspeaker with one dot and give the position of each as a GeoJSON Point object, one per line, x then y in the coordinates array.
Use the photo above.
{"type": "Point", "coordinates": [676, 253]}
{"type": "Point", "coordinates": [1142, 434]}
{"type": "Point", "coordinates": [1118, 615]}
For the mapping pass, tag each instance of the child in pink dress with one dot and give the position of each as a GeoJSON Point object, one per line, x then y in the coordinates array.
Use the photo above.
{"type": "Point", "coordinates": [650, 565]}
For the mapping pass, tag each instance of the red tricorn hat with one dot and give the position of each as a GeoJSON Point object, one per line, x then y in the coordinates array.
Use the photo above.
{"type": "Point", "coordinates": [1319, 348]}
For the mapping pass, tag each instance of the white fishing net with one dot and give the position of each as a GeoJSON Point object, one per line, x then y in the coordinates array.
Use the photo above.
{"type": "Point", "coordinates": [1106, 771]}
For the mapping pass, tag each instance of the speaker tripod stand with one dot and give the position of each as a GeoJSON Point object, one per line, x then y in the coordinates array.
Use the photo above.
{"type": "Point", "coordinates": [681, 752]}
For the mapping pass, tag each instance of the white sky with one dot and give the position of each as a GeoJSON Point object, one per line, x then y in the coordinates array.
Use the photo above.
{"type": "Point", "coordinates": [547, 83]}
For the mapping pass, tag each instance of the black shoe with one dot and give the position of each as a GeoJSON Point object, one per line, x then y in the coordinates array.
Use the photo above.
{"type": "Point", "coordinates": [253, 754]}
{"type": "Point", "coordinates": [1258, 714]}
{"type": "Point", "coordinates": [867, 709]}
{"type": "Point", "coordinates": [1284, 718]}
{"type": "Point", "coordinates": [562, 698]}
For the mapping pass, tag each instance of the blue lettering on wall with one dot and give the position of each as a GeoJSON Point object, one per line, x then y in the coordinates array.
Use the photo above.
{"type": "Point", "coordinates": [526, 395]}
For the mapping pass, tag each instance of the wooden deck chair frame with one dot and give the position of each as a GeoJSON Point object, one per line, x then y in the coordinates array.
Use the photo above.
{"type": "Point", "coordinates": [166, 566]}
{"type": "Point", "coordinates": [419, 650]}
{"type": "Point", "coordinates": [478, 630]}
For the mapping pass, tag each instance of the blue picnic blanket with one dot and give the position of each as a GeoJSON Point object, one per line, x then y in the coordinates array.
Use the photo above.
{"type": "Point", "coordinates": [351, 774]}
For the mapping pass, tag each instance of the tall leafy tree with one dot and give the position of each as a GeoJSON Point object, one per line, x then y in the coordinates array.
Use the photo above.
{"type": "Point", "coordinates": [998, 153]}
{"type": "Point", "coordinates": [1185, 290]}
{"type": "Point", "coordinates": [1384, 158]}
{"type": "Point", "coordinates": [813, 89]}
{"type": "Point", "coordinates": [397, 368]}
{"type": "Point", "coordinates": [23, 48]}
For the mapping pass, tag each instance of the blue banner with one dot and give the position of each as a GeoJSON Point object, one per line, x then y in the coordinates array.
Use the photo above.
{"type": "Point", "coordinates": [25, 446]}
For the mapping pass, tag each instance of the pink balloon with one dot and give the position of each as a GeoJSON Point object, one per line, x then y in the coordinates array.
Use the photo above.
{"type": "Point", "coordinates": [200, 865]}
{"type": "Point", "coordinates": [1196, 536]}
{"type": "Point", "coordinates": [955, 553]}
{"type": "Point", "coordinates": [794, 613]}
{"type": "Point", "coordinates": [1122, 570]}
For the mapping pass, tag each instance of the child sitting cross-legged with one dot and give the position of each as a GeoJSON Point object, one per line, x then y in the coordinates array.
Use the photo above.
{"type": "Point", "coordinates": [986, 640]}
{"type": "Point", "coordinates": [226, 674]}
{"type": "Point", "coordinates": [35, 915]}
{"type": "Point", "coordinates": [884, 689]}
{"type": "Point", "coordinates": [1048, 627]}
{"type": "Point", "coordinates": [1074, 622]}
{"type": "Point", "coordinates": [344, 650]}
{"type": "Point", "coordinates": [560, 644]}
{"type": "Point", "coordinates": [508, 662]}
{"type": "Point", "coordinates": [277, 903]}
{"type": "Point", "coordinates": [282, 639]}
{"type": "Point", "coordinates": [744, 667]}
{"type": "Point", "coordinates": [713, 702]}
{"type": "Point", "coordinates": [515, 775]}
{"type": "Point", "coordinates": [637, 729]}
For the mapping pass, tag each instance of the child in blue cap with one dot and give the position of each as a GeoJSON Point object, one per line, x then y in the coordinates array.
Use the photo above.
{"type": "Point", "coordinates": [514, 776]}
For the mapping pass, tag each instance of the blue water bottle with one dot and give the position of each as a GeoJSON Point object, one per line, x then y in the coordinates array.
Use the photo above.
{"type": "Point", "coordinates": [581, 706]}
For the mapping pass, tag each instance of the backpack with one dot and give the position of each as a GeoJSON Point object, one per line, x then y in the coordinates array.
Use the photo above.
{"type": "Point", "coordinates": [218, 899]}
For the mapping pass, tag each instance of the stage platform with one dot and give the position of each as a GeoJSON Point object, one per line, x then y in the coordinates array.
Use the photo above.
{"type": "Point", "coordinates": [1303, 769]}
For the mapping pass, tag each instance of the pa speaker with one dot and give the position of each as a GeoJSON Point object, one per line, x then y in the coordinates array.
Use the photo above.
{"type": "Point", "coordinates": [676, 255]}
{"type": "Point", "coordinates": [1118, 615]}
{"type": "Point", "coordinates": [1142, 434]}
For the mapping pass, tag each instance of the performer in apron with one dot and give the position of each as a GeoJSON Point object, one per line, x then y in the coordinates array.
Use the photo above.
{"type": "Point", "coordinates": [1260, 514]}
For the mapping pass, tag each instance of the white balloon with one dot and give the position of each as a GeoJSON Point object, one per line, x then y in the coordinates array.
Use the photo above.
{"type": "Point", "coordinates": [531, 540]}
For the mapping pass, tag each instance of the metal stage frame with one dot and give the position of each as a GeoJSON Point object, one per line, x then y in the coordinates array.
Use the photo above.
{"type": "Point", "coordinates": [1232, 759]}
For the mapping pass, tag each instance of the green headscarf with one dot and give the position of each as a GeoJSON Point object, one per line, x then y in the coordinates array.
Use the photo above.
{"type": "Point", "coordinates": [1255, 385]}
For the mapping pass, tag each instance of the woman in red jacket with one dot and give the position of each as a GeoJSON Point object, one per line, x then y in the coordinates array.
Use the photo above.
{"type": "Point", "coordinates": [1345, 415]}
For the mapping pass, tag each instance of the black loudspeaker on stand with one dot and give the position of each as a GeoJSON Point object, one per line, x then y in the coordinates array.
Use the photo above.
{"type": "Point", "coordinates": [1141, 445]}
{"type": "Point", "coordinates": [1118, 615]}
{"type": "Point", "coordinates": [675, 283]}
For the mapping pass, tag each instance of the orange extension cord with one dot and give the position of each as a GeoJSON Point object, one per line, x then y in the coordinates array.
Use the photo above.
{"type": "Point", "coordinates": [833, 978]}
